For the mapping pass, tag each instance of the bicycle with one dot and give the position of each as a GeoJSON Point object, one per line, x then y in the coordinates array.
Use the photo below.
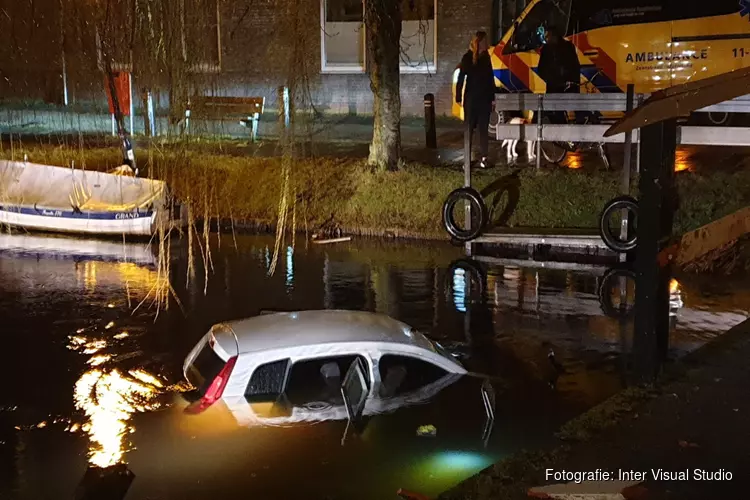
{"type": "Point", "coordinates": [556, 151]}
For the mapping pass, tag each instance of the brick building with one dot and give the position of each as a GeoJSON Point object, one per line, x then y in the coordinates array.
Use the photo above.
{"type": "Point", "coordinates": [235, 49]}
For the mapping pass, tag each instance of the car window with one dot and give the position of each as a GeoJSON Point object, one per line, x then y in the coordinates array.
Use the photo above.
{"type": "Point", "coordinates": [319, 380]}
{"type": "Point", "coordinates": [204, 368]}
{"type": "Point", "coordinates": [529, 35]}
{"type": "Point", "coordinates": [403, 374]}
{"type": "Point", "coordinates": [267, 381]}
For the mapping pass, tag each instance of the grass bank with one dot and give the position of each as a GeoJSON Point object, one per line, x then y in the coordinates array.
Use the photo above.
{"type": "Point", "coordinates": [404, 203]}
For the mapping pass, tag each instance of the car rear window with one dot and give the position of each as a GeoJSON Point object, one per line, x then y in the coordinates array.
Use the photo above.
{"type": "Point", "coordinates": [204, 368]}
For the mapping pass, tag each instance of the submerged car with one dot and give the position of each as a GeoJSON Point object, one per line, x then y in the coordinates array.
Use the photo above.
{"type": "Point", "coordinates": [308, 361]}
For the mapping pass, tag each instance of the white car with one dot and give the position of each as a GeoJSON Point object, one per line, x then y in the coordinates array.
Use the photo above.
{"type": "Point", "coordinates": [301, 361]}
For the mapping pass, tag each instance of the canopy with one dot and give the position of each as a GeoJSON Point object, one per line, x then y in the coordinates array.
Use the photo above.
{"type": "Point", "coordinates": [681, 100]}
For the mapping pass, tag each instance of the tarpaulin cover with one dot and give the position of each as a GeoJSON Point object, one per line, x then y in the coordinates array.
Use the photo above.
{"type": "Point", "coordinates": [61, 188]}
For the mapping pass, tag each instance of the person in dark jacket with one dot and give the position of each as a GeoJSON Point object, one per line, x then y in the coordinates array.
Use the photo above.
{"type": "Point", "coordinates": [559, 68]}
{"type": "Point", "coordinates": [476, 84]}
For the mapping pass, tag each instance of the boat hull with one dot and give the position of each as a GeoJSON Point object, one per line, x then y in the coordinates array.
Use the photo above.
{"type": "Point", "coordinates": [60, 221]}
{"type": "Point", "coordinates": [56, 199]}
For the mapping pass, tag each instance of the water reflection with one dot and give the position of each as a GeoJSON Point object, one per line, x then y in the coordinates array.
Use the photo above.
{"type": "Point", "coordinates": [290, 268]}
{"type": "Point", "coordinates": [682, 160]}
{"type": "Point", "coordinates": [109, 398]}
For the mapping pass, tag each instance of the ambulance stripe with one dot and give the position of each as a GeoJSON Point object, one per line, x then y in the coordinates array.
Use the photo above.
{"type": "Point", "coordinates": [510, 81]}
{"type": "Point", "coordinates": [520, 70]}
{"type": "Point", "coordinates": [599, 80]}
{"type": "Point", "coordinates": [600, 60]}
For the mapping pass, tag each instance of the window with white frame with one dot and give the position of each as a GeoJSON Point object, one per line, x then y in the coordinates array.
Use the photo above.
{"type": "Point", "coordinates": [418, 40]}
{"type": "Point", "coordinates": [343, 39]}
{"type": "Point", "coordinates": [343, 36]}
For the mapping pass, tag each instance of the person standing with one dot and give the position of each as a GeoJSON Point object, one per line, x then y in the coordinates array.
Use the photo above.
{"type": "Point", "coordinates": [476, 88]}
{"type": "Point", "coordinates": [559, 68]}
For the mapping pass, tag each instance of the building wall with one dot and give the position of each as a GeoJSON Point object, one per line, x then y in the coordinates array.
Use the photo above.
{"type": "Point", "coordinates": [251, 65]}
{"type": "Point", "coordinates": [255, 40]}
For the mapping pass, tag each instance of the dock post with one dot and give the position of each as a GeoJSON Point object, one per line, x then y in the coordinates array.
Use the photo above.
{"type": "Point", "coordinates": [656, 206]}
{"type": "Point", "coordinates": [626, 168]}
{"type": "Point", "coordinates": [540, 111]}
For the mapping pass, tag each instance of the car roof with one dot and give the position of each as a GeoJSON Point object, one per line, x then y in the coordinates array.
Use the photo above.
{"type": "Point", "coordinates": [304, 328]}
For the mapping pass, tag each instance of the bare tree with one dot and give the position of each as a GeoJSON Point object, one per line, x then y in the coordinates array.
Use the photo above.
{"type": "Point", "coordinates": [383, 34]}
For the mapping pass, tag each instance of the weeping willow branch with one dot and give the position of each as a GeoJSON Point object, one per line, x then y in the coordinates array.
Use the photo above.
{"type": "Point", "coordinates": [297, 38]}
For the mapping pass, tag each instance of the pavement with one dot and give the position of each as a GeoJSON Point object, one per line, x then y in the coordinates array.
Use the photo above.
{"type": "Point", "coordinates": [330, 135]}
{"type": "Point", "coordinates": [695, 429]}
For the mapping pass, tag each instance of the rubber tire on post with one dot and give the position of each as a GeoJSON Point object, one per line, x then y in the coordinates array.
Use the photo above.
{"type": "Point", "coordinates": [477, 206]}
{"type": "Point", "coordinates": [474, 272]}
{"type": "Point", "coordinates": [613, 242]}
{"type": "Point", "coordinates": [605, 298]}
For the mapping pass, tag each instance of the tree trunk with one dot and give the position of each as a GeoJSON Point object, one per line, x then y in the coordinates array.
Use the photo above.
{"type": "Point", "coordinates": [383, 30]}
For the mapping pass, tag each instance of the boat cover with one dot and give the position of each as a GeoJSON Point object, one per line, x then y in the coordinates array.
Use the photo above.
{"type": "Point", "coordinates": [24, 184]}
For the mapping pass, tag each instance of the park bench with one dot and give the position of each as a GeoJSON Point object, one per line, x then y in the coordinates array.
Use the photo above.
{"type": "Point", "coordinates": [246, 109]}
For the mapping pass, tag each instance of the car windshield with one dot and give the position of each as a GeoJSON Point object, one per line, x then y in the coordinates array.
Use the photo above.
{"type": "Point", "coordinates": [530, 33]}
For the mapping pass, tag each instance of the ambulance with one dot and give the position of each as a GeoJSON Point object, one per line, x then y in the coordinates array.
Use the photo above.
{"type": "Point", "coordinates": [653, 44]}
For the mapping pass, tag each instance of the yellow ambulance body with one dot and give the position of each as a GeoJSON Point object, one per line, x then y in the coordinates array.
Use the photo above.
{"type": "Point", "coordinates": [653, 44]}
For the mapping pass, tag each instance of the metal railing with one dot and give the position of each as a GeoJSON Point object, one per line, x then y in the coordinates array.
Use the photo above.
{"type": "Point", "coordinates": [692, 135]}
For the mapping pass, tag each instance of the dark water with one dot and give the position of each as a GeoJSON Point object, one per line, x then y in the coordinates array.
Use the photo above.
{"type": "Point", "coordinates": [92, 369]}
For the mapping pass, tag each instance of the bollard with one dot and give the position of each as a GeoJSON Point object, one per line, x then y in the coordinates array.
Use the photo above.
{"type": "Point", "coordinates": [429, 122]}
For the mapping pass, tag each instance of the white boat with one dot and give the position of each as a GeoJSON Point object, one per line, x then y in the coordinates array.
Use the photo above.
{"type": "Point", "coordinates": [68, 200]}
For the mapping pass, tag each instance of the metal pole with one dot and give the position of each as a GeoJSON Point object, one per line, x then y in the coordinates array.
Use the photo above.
{"type": "Point", "coordinates": [638, 151]}
{"type": "Point", "coordinates": [62, 53]}
{"type": "Point", "coordinates": [626, 168]}
{"type": "Point", "coordinates": [114, 129]}
{"type": "Point", "coordinates": [151, 114]}
{"type": "Point", "coordinates": [467, 170]}
{"type": "Point", "coordinates": [429, 122]}
{"type": "Point", "coordinates": [130, 89]}
{"type": "Point", "coordinates": [467, 150]}
{"type": "Point", "coordinates": [540, 111]}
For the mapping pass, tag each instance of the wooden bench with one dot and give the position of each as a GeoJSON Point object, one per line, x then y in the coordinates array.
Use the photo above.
{"type": "Point", "coordinates": [247, 109]}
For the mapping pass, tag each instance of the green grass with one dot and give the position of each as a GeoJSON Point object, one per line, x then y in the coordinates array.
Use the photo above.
{"type": "Point", "coordinates": [407, 202]}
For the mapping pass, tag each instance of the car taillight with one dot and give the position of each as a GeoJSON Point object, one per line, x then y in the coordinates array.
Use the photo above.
{"type": "Point", "coordinates": [215, 389]}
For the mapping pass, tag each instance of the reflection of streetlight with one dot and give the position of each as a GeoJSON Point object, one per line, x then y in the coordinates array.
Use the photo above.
{"type": "Point", "coordinates": [109, 399]}
{"type": "Point", "coordinates": [459, 289]}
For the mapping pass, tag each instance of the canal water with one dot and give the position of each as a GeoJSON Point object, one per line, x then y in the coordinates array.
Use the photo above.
{"type": "Point", "coordinates": [92, 366]}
